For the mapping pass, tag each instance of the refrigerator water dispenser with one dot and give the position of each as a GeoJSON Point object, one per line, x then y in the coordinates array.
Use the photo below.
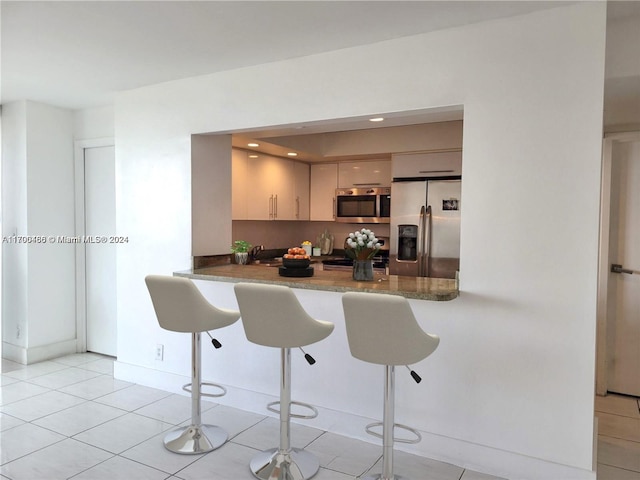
{"type": "Point", "coordinates": [408, 243]}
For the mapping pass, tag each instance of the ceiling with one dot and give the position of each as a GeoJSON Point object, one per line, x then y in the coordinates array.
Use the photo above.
{"type": "Point", "coordinates": [78, 54]}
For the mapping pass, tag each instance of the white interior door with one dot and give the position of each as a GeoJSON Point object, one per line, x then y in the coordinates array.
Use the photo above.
{"type": "Point", "coordinates": [100, 266]}
{"type": "Point", "coordinates": [623, 325]}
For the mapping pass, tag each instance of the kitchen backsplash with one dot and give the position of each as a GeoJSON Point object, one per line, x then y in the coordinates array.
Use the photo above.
{"type": "Point", "coordinates": [283, 234]}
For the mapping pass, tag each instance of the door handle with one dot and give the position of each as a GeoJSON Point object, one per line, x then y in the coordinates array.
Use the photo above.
{"type": "Point", "coordinates": [615, 268]}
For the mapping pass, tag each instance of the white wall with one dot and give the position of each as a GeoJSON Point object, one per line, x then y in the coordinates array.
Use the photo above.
{"type": "Point", "coordinates": [39, 279]}
{"type": "Point", "coordinates": [92, 123]}
{"type": "Point", "coordinates": [515, 370]}
{"type": "Point", "coordinates": [622, 74]}
{"type": "Point", "coordinates": [14, 220]}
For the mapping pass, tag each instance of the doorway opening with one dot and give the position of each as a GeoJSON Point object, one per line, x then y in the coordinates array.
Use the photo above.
{"type": "Point", "coordinates": [618, 311]}
{"type": "Point", "coordinates": [96, 324]}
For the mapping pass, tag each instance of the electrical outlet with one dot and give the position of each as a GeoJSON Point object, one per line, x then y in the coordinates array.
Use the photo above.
{"type": "Point", "coordinates": [160, 352]}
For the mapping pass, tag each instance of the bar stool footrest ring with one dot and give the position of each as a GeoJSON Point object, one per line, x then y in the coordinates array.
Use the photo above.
{"type": "Point", "coordinates": [369, 430]}
{"type": "Point", "coordinates": [295, 415]}
{"type": "Point", "coordinates": [187, 388]}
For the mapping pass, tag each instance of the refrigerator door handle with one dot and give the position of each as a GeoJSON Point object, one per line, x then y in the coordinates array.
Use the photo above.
{"type": "Point", "coordinates": [427, 241]}
{"type": "Point", "coordinates": [420, 246]}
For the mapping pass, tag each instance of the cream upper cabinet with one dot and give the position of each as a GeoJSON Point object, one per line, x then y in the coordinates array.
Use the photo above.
{"type": "Point", "coordinates": [269, 188]}
{"type": "Point", "coordinates": [427, 164]}
{"type": "Point", "coordinates": [324, 181]}
{"type": "Point", "coordinates": [301, 190]}
{"type": "Point", "coordinates": [239, 184]}
{"type": "Point", "coordinates": [375, 173]}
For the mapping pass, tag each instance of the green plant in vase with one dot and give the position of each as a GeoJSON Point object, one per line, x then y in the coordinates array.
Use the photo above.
{"type": "Point", "coordinates": [241, 250]}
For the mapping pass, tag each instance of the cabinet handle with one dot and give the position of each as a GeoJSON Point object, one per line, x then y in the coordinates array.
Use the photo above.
{"type": "Point", "coordinates": [334, 208]}
{"type": "Point", "coordinates": [365, 184]}
{"type": "Point", "coordinates": [298, 208]}
{"type": "Point", "coordinates": [270, 207]}
{"type": "Point", "coordinates": [275, 209]}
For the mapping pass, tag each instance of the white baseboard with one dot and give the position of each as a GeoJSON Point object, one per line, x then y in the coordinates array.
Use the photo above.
{"type": "Point", "coordinates": [27, 356]}
{"type": "Point", "coordinates": [480, 458]}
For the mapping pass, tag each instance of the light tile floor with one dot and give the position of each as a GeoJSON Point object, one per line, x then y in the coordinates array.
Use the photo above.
{"type": "Point", "coordinates": [618, 437]}
{"type": "Point", "coordinates": [69, 418]}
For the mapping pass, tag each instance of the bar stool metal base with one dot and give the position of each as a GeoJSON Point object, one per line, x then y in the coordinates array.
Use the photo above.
{"type": "Point", "coordinates": [195, 439]}
{"type": "Point", "coordinates": [276, 465]}
{"type": "Point", "coordinates": [379, 476]}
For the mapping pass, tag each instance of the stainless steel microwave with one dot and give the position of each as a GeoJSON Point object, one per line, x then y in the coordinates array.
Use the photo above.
{"type": "Point", "coordinates": [363, 205]}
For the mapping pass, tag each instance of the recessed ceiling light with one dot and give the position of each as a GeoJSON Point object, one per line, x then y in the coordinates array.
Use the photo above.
{"type": "Point", "coordinates": [292, 154]}
{"type": "Point", "coordinates": [253, 144]}
{"type": "Point", "coordinates": [376, 119]}
{"type": "Point", "coordinates": [253, 156]}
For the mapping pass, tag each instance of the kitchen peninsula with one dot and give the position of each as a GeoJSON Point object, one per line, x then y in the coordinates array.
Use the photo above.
{"type": "Point", "coordinates": [345, 391]}
{"type": "Point", "coordinates": [434, 289]}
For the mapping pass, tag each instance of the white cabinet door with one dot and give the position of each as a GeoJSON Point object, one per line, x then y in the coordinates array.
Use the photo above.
{"type": "Point", "coordinates": [282, 188]}
{"type": "Point", "coordinates": [375, 173]}
{"type": "Point", "coordinates": [324, 181]}
{"type": "Point", "coordinates": [239, 173]}
{"type": "Point", "coordinates": [271, 189]}
{"type": "Point", "coordinates": [424, 165]}
{"type": "Point", "coordinates": [260, 197]}
{"type": "Point", "coordinates": [301, 190]}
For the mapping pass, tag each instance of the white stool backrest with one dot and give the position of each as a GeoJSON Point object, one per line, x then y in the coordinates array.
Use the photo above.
{"type": "Point", "coordinates": [181, 307]}
{"type": "Point", "coordinates": [272, 316]}
{"type": "Point", "coordinates": [382, 329]}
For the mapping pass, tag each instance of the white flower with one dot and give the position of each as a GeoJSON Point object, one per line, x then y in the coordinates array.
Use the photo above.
{"type": "Point", "coordinates": [363, 240]}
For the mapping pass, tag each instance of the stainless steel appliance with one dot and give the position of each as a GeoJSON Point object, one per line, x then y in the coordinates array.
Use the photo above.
{"type": "Point", "coordinates": [346, 264]}
{"type": "Point", "coordinates": [363, 205]}
{"type": "Point", "coordinates": [380, 261]}
{"type": "Point", "coordinates": [425, 228]}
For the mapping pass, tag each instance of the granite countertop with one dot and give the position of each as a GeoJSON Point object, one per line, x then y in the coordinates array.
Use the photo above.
{"type": "Point", "coordinates": [434, 289]}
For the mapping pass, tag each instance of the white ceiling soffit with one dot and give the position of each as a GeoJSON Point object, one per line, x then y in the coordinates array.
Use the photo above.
{"type": "Point", "coordinates": [77, 54]}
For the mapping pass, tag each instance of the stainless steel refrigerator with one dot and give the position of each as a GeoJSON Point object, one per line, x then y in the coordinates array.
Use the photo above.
{"type": "Point", "coordinates": [425, 228]}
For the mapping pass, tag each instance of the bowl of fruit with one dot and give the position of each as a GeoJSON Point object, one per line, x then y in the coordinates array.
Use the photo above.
{"type": "Point", "coordinates": [296, 257]}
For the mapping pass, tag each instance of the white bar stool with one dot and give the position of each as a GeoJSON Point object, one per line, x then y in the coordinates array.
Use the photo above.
{"type": "Point", "coordinates": [272, 316]}
{"type": "Point", "coordinates": [180, 307]}
{"type": "Point", "coordinates": [382, 329]}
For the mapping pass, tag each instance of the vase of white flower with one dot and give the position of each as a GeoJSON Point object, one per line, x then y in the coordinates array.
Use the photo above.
{"type": "Point", "coordinates": [363, 270]}
{"type": "Point", "coordinates": [362, 246]}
